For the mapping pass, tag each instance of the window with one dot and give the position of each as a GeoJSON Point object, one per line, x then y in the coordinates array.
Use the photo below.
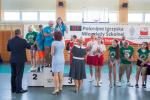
{"type": "Point", "coordinates": [46, 16]}
{"type": "Point", "coordinates": [11, 16]}
{"type": "Point", "coordinates": [29, 16]}
{"type": "Point", "coordinates": [74, 17]}
{"type": "Point", "coordinates": [135, 17]}
{"type": "Point", "coordinates": [147, 17]}
{"type": "Point", "coordinates": [113, 17]}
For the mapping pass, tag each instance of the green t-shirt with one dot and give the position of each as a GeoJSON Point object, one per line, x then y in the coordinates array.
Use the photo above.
{"type": "Point", "coordinates": [112, 53]}
{"type": "Point", "coordinates": [125, 54]}
{"type": "Point", "coordinates": [143, 55]}
{"type": "Point", "coordinates": [121, 44]}
{"type": "Point", "coordinates": [31, 37]}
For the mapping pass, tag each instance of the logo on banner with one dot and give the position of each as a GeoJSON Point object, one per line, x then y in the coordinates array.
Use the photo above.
{"type": "Point", "coordinates": [144, 31]}
{"type": "Point", "coordinates": [75, 28]}
{"type": "Point", "coordinates": [132, 30]}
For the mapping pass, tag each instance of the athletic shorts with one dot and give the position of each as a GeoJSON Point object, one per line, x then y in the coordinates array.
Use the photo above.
{"type": "Point", "coordinates": [41, 54]}
{"type": "Point", "coordinates": [33, 47]}
{"type": "Point", "coordinates": [139, 62]}
{"type": "Point", "coordinates": [99, 60]}
{"type": "Point", "coordinates": [92, 60]}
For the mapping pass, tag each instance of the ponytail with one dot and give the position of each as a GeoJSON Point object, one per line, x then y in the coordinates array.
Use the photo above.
{"type": "Point", "coordinates": [117, 49]}
{"type": "Point", "coordinates": [147, 48]}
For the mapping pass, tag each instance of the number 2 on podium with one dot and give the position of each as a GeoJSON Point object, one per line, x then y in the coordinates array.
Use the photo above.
{"type": "Point", "coordinates": [34, 76]}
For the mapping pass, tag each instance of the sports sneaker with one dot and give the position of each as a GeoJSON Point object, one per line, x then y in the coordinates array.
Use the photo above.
{"type": "Point", "coordinates": [143, 85]}
{"type": "Point", "coordinates": [137, 86]}
{"type": "Point", "coordinates": [39, 69]}
{"type": "Point", "coordinates": [97, 84]}
{"type": "Point", "coordinates": [42, 68]}
{"type": "Point", "coordinates": [110, 85]}
{"type": "Point", "coordinates": [129, 84]}
{"type": "Point", "coordinates": [33, 69]}
{"type": "Point", "coordinates": [91, 79]}
{"type": "Point", "coordinates": [100, 82]}
{"type": "Point", "coordinates": [114, 84]}
{"type": "Point", "coordinates": [119, 84]}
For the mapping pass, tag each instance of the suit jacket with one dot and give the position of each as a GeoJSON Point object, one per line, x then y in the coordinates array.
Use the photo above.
{"type": "Point", "coordinates": [17, 46]}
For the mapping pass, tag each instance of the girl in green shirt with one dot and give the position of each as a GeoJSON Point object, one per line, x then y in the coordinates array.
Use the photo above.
{"type": "Point", "coordinates": [143, 57]}
{"type": "Point", "coordinates": [112, 60]}
{"type": "Point", "coordinates": [126, 58]}
{"type": "Point", "coordinates": [31, 39]}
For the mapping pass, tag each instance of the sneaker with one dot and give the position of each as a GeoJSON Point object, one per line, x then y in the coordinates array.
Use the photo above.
{"type": "Point", "coordinates": [119, 84]}
{"type": "Point", "coordinates": [144, 86]}
{"type": "Point", "coordinates": [98, 84]}
{"type": "Point", "coordinates": [129, 84]}
{"type": "Point", "coordinates": [39, 69]}
{"type": "Point", "coordinates": [33, 69]}
{"type": "Point", "coordinates": [114, 84]}
{"type": "Point", "coordinates": [110, 85]}
{"type": "Point", "coordinates": [42, 68]}
{"type": "Point", "coordinates": [91, 79]}
{"type": "Point", "coordinates": [137, 86]}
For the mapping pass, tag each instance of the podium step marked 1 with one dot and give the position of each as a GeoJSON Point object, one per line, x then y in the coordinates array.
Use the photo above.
{"type": "Point", "coordinates": [45, 79]}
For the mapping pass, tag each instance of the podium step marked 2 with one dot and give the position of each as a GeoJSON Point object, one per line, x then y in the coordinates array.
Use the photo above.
{"type": "Point", "coordinates": [45, 79]}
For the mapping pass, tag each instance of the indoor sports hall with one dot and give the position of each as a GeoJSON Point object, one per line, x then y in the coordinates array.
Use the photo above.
{"type": "Point", "coordinates": [74, 49]}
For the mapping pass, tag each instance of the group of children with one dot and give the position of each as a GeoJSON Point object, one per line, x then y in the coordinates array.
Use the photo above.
{"type": "Point", "coordinates": [41, 42]}
{"type": "Point", "coordinates": [119, 53]}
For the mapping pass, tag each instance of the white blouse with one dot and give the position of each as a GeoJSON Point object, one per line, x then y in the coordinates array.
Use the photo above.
{"type": "Point", "coordinates": [91, 47]}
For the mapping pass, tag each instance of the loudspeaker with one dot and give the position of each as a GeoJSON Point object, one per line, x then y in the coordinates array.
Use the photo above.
{"type": "Point", "coordinates": [124, 5]}
{"type": "Point", "coordinates": [60, 4]}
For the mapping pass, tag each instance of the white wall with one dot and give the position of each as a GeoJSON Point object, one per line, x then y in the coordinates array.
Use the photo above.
{"type": "Point", "coordinates": [139, 5]}
{"type": "Point", "coordinates": [29, 5]}
{"type": "Point", "coordinates": [134, 5]}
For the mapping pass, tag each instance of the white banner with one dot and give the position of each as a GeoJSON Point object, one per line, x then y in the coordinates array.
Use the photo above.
{"type": "Point", "coordinates": [135, 34]}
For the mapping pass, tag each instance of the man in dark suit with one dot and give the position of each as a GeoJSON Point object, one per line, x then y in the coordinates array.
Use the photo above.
{"type": "Point", "coordinates": [17, 47]}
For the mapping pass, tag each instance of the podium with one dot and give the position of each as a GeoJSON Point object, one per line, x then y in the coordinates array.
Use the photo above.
{"type": "Point", "coordinates": [35, 79]}
{"type": "Point", "coordinates": [48, 78]}
{"type": "Point", "coordinates": [45, 79]}
{"type": "Point", "coordinates": [67, 81]}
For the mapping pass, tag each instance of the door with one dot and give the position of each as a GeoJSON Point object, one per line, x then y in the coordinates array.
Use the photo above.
{"type": "Point", "coordinates": [4, 37]}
